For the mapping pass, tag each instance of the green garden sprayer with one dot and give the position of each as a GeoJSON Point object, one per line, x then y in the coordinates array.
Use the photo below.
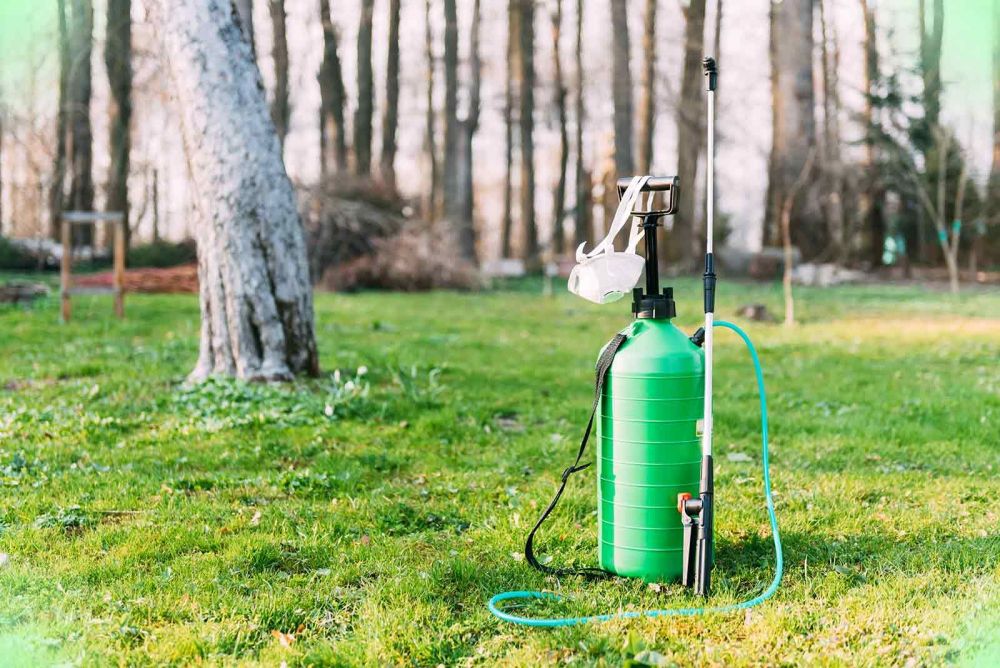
{"type": "Point", "coordinates": [653, 415]}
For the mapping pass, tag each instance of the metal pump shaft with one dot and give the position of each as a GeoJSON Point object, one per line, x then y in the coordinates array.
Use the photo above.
{"type": "Point", "coordinates": [697, 514]}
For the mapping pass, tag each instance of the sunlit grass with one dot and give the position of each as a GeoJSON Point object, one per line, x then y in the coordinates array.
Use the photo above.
{"type": "Point", "coordinates": [149, 523]}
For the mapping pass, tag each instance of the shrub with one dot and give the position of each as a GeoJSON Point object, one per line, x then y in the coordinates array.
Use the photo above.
{"type": "Point", "coordinates": [15, 258]}
{"type": "Point", "coordinates": [163, 254]}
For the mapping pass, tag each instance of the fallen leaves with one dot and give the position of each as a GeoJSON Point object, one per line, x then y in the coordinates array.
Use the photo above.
{"type": "Point", "coordinates": [287, 639]}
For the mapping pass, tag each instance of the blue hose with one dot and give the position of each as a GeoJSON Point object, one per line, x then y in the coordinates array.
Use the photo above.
{"type": "Point", "coordinates": [779, 565]}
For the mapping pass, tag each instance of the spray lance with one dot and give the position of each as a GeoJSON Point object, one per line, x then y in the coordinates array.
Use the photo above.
{"type": "Point", "coordinates": [651, 417]}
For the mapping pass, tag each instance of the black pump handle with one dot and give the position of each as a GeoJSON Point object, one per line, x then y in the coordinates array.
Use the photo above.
{"type": "Point", "coordinates": [664, 184]}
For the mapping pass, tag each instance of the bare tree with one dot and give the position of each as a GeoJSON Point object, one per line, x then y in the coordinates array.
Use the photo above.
{"type": "Point", "coordinates": [526, 94]}
{"type": "Point", "coordinates": [467, 130]}
{"type": "Point", "coordinates": [647, 99]}
{"type": "Point", "coordinates": [513, 40]}
{"type": "Point", "coordinates": [256, 300]}
{"type": "Point", "coordinates": [244, 11]}
{"type": "Point", "coordinates": [430, 129]}
{"type": "Point", "coordinates": [366, 93]}
{"type": "Point", "coordinates": [333, 133]}
{"type": "Point", "coordinates": [832, 165]}
{"type": "Point", "coordinates": [280, 108]}
{"type": "Point", "coordinates": [793, 120]}
{"type": "Point", "coordinates": [559, 196]}
{"type": "Point", "coordinates": [992, 214]}
{"type": "Point", "coordinates": [582, 213]}
{"type": "Point", "coordinates": [621, 88]}
{"type": "Point", "coordinates": [870, 209]}
{"type": "Point", "coordinates": [690, 135]}
{"type": "Point", "coordinates": [118, 60]}
{"type": "Point", "coordinates": [931, 39]}
{"type": "Point", "coordinates": [786, 236]}
{"type": "Point", "coordinates": [81, 141]}
{"type": "Point", "coordinates": [936, 207]}
{"type": "Point", "coordinates": [390, 118]}
{"type": "Point", "coordinates": [451, 199]}
{"type": "Point", "coordinates": [57, 189]}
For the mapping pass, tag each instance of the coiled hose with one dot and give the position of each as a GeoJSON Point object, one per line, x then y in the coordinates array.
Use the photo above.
{"type": "Point", "coordinates": [779, 566]}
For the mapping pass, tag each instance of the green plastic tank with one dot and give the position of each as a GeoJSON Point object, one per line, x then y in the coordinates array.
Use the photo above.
{"type": "Point", "coordinates": [648, 450]}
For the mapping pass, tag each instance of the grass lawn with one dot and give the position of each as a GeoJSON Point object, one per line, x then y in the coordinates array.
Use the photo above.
{"type": "Point", "coordinates": [366, 520]}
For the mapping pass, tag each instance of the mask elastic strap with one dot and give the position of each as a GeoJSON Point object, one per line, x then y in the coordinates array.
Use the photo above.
{"type": "Point", "coordinates": [622, 216]}
{"type": "Point", "coordinates": [636, 233]}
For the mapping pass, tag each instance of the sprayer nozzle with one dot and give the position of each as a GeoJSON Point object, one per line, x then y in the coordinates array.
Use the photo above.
{"type": "Point", "coordinates": [711, 71]}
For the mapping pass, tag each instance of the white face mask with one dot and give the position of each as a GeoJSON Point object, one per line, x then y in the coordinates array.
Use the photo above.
{"type": "Point", "coordinates": [604, 275]}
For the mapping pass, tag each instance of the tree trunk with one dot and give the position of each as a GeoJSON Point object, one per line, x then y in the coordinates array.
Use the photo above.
{"type": "Point", "coordinates": [526, 92]}
{"type": "Point", "coordinates": [332, 130]}
{"type": "Point", "coordinates": [683, 246]}
{"type": "Point", "coordinates": [559, 196]}
{"type": "Point", "coordinates": [81, 140]}
{"type": "Point", "coordinates": [993, 186]}
{"type": "Point", "coordinates": [833, 175]}
{"type": "Point", "coordinates": [582, 213]}
{"type": "Point", "coordinates": [118, 60]}
{"type": "Point", "coordinates": [280, 109]}
{"type": "Point", "coordinates": [430, 130]}
{"type": "Point", "coordinates": [156, 205]}
{"type": "Point", "coordinates": [931, 38]}
{"type": "Point", "coordinates": [467, 130]}
{"type": "Point", "coordinates": [786, 238]}
{"type": "Point", "coordinates": [513, 37]}
{"type": "Point", "coordinates": [256, 301]}
{"type": "Point", "coordinates": [647, 100]}
{"type": "Point", "coordinates": [366, 94]}
{"type": "Point", "coordinates": [873, 223]}
{"type": "Point", "coordinates": [794, 122]}
{"type": "Point", "coordinates": [621, 88]}
{"type": "Point", "coordinates": [451, 186]}
{"type": "Point", "coordinates": [390, 119]}
{"type": "Point", "coordinates": [930, 61]}
{"type": "Point", "coordinates": [244, 11]}
{"type": "Point", "coordinates": [57, 190]}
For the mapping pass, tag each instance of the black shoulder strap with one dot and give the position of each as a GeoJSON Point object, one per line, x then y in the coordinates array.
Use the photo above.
{"type": "Point", "coordinates": [603, 364]}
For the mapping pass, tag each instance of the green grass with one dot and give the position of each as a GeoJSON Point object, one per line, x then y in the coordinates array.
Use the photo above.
{"type": "Point", "coordinates": [147, 523]}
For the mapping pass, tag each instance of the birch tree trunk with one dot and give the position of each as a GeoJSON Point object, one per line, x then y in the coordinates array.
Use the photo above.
{"type": "Point", "coordinates": [683, 248]}
{"type": "Point", "coordinates": [559, 196]}
{"type": "Point", "coordinates": [332, 129]}
{"type": "Point", "coordinates": [647, 99]}
{"type": "Point", "coordinates": [366, 93]}
{"type": "Point", "coordinates": [256, 301]}
{"type": "Point", "coordinates": [118, 60]}
{"type": "Point", "coordinates": [621, 87]}
{"type": "Point", "coordinates": [280, 109]}
{"type": "Point", "coordinates": [794, 122]}
{"type": "Point", "coordinates": [81, 144]}
{"type": "Point", "coordinates": [390, 119]}
{"type": "Point", "coordinates": [582, 213]}
{"type": "Point", "coordinates": [526, 92]}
